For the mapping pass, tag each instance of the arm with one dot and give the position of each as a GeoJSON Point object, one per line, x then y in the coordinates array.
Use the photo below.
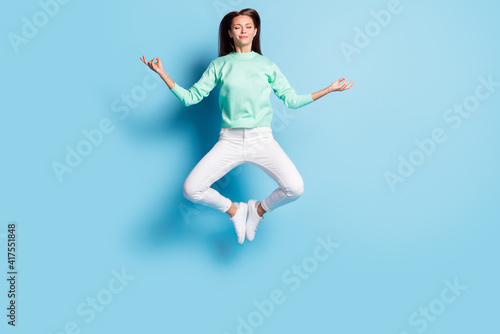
{"type": "Point", "coordinates": [158, 68]}
{"type": "Point", "coordinates": [197, 92]}
{"type": "Point", "coordinates": [285, 92]}
{"type": "Point", "coordinates": [170, 83]}
{"type": "Point", "coordinates": [336, 86]}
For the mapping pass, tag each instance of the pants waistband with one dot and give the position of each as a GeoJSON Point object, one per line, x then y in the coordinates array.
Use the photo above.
{"type": "Point", "coordinates": [243, 133]}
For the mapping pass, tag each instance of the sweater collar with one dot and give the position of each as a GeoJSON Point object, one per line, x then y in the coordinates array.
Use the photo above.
{"type": "Point", "coordinates": [242, 55]}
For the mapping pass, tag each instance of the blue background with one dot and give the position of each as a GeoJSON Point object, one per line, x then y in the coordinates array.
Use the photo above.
{"type": "Point", "coordinates": [122, 208]}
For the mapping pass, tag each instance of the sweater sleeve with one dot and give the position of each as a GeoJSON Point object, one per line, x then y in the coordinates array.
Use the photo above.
{"type": "Point", "coordinates": [199, 90]}
{"type": "Point", "coordinates": [285, 92]}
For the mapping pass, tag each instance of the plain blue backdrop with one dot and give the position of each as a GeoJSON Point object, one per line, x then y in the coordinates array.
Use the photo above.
{"type": "Point", "coordinates": [397, 229]}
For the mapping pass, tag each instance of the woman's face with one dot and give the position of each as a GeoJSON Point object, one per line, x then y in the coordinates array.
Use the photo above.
{"type": "Point", "coordinates": [242, 30]}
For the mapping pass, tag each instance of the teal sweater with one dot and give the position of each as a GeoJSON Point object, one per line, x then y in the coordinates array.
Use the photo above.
{"type": "Point", "coordinates": [246, 80]}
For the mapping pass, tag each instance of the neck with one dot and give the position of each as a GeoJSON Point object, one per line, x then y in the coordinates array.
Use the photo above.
{"type": "Point", "coordinates": [243, 49]}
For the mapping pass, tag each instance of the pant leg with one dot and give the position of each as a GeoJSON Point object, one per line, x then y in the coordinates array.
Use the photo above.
{"type": "Point", "coordinates": [224, 156]}
{"type": "Point", "coordinates": [267, 154]}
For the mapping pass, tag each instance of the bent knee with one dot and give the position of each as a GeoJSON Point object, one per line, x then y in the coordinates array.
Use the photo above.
{"type": "Point", "coordinates": [191, 191]}
{"type": "Point", "coordinates": [296, 190]}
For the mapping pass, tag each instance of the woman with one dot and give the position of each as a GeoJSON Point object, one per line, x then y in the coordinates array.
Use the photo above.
{"type": "Point", "coordinates": [246, 78]}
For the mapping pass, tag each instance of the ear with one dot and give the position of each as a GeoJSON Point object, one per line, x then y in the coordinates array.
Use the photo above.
{"type": "Point", "coordinates": [229, 32]}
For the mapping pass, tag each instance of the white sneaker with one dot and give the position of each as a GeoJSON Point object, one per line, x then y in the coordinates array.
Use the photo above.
{"type": "Point", "coordinates": [239, 221]}
{"type": "Point", "coordinates": [253, 219]}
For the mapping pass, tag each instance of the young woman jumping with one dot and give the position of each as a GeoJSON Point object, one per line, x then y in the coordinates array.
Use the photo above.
{"type": "Point", "coordinates": [246, 78]}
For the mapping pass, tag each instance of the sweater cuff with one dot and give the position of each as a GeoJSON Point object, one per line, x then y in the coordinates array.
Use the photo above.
{"type": "Point", "coordinates": [308, 99]}
{"type": "Point", "coordinates": [177, 90]}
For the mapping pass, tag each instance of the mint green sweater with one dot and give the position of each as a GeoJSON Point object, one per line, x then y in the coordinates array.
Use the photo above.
{"type": "Point", "coordinates": [246, 80]}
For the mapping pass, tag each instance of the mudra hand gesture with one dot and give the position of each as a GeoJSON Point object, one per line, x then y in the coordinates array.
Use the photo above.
{"type": "Point", "coordinates": [157, 67]}
{"type": "Point", "coordinates": [337, 86]}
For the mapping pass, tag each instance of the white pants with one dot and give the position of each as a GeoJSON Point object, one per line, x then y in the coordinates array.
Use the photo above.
{"type": "Point", "coordinates": [237, 146]}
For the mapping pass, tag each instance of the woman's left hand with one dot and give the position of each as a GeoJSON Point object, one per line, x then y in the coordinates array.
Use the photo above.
{"type": "Point", "coordinates": [337, 86]}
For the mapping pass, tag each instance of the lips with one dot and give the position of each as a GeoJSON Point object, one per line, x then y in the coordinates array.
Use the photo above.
{"type": "Point", "coordinates": [243, 36]}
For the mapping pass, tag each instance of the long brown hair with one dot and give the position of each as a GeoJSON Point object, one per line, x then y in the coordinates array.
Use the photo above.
{"type": "Point", "coordinates": [226, 44]}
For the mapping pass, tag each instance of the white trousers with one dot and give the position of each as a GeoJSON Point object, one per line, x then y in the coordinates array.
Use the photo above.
{"type": "Point", "coordinates": [237, 146]}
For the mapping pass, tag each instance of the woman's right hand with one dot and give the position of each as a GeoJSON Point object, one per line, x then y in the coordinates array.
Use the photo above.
{"type": "Point", "coordinates": [337, 86]}
{"type": "Point", "coordinates": [157, 67]}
